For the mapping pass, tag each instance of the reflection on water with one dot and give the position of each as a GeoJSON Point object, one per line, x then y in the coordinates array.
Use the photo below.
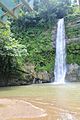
{"type": "Point", "coordinates": [60, 102]}
{"type": "Point", "coordinates": [2, 105]}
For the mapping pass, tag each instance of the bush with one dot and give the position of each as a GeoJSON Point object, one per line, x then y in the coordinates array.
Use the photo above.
{"type": "Point", "coordinates": [11, 53]}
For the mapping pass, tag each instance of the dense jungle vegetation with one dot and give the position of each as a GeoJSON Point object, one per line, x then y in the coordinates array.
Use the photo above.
{"type": "Point", "coordinates": [72, 22]}
{"type": "Point", "coordinates": [29, 39]}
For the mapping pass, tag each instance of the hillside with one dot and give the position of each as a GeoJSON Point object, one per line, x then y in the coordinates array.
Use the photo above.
{"type": "Point", "coordinates": [72, 23]}
{"type": "Point", "coordinates": [28, 44]}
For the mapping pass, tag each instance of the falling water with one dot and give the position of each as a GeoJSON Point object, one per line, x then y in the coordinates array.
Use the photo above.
{"type": "Point", "coordinates": [60, 62]}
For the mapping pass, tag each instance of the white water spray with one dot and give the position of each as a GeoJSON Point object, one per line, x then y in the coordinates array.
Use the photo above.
{"type": "Point", "coordinates": [60, 62]}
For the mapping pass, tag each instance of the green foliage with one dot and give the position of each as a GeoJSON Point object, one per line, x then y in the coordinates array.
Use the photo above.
{"type": "Point", "coordinates": [73, 32]}
{"type": "Point", "coordinates": [73, 26]}
{"type": "Point", "coordinates": [75, 10]}
{"type": "Point", "coordinates": [54, 8]}
{"type": "Point", "coordinates": [11, 53]}
{"type": "Point", "coordinates": [72, 16]}
{"type": "Point", "coordinates": [9, 46]}
{"type": "Point", "coordinates": [38, 42]}
{"type": "Point", "coordinates": [34, 31]}
{"type": "Point", "coordinates": [47, 14]}
{"type": "Point", "coordinates": [73, 53]}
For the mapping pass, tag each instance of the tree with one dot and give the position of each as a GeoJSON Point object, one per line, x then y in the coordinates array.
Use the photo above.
{"type": "Point", "coordinates": [10, 51]}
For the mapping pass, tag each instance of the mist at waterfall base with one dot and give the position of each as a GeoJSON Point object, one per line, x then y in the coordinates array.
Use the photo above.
{"type": "Point", "coordinates": [60, 58]}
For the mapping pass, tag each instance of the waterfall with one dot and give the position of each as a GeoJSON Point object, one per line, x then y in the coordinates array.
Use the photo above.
{"type": "Point", "coordinates": [60, 62]}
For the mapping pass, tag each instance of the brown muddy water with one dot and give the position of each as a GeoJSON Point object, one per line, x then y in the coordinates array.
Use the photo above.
{"type": "Point", "coordinates": [40, 102]}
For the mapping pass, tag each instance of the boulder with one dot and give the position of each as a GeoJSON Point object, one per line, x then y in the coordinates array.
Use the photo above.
{"type": "Point", "coordinates": [73, 73]}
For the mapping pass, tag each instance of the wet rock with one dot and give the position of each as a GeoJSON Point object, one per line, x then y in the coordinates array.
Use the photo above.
{"type": "Point", "coordinates": [73, 73]}
{"type": "Point", "coordinates": [41, 77]}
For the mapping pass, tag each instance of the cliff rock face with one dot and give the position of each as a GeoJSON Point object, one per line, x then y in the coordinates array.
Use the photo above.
{"type": "Point", "coordinates": [73, 73]}
{"type": "Point", "coordinates": [72, 26]}
{"type": "Point", "coordinates": [36, 77]}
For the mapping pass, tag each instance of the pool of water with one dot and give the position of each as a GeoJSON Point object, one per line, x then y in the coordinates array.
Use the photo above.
{"type": "Point", "coordinates": [59, 102]}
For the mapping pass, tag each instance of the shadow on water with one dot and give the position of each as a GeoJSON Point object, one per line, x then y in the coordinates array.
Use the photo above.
{"type": "Point", "coordinates": [7, 88]}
